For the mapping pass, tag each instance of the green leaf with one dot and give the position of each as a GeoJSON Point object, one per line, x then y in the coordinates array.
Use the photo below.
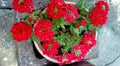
{"type": "Point", "coordinates": [77, 52]}
{"type": "Point", "coordinates": [91, 8]}
{"type": "Point", "coordinates": [26, 18]}
{"type": "Point", "coordinates": [84, 12]}
{"type": "Point", "coordinates": [29, 40]}
{"type": "Point", "coordinates": [90, 27]}
{"type": "Point", "coordinates": [62, 25]}
{"type": "Point", "coordinates": [81, 4]}
{"type": "Point", "coordinates": [37, 12]}
{"type": "Point", "coordinates": [10, 35]}
{"type": "Point", "coordinates": [35, 39]}
{"type": "Point", "coordinates": [98, 30]}
{"type": "Point", "coordinates": [45, 16]}
{"type": "Point", "coordinates": [82, 28]}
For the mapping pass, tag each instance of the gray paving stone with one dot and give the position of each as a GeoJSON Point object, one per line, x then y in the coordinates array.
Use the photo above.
{"type": "Point", "coordinates": [5, 3]}
{"type": "Point", "coordinates": [7, 46]}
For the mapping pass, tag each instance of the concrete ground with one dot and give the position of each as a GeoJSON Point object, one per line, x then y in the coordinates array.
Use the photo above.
{"type": "Point", "coordinates": [108, 37]}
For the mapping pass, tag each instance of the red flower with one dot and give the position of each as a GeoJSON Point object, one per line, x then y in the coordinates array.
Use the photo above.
{"type": "Point", "coordinates": [102, 5]}
{"type": "Point", "coordinates": [70, 13]}
{"type": "Point", "coordinates": [76, 47]}
{"type": "Point", "coordinates": [30, 20]}
{"type": "Point", "coordinates": [84, 52]}
{"type": "Point", "coordinates": [54, 10]}
{"type": "Point", "coordinates": [82, 23]}
{"type": "Point", "coordinates": [50, 47]}
{"type": "Point", "coordinates": [50, 44]}
{"type": "Point", "coordinates": [51, 52]}
{"type": "Point", "coordinates": [22, 5]}
{"type": "Point", "coordinates": [59, 58]}
{"type": "Point", "coordinates": [88, 39]}
{"type": "Point", "coordinates": [70, 57]}
{"type": "Point", "coordinates": [68, 17]}
{"type": "Point", "coordinates": [21, 31]}
{"type": "Point", "coordinates": [43, 30]}
{"type": "Point", "coordinates": [98, 16]}
{"type": "Point", "coordinates": [33, 21]}
{"type": "Point", "coordinates": [31, 12]}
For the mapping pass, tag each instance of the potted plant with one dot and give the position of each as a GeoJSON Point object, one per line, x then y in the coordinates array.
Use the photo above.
{"type": "Point", "coordinates": [64, 32]}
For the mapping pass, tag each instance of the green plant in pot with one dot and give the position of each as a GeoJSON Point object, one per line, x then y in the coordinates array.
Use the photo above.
{"type": "Point", "coordinates": [64, 32]}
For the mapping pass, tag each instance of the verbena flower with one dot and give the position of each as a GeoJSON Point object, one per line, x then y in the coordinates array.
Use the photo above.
{"type": "Point", "coordinates": [82, 23]}
{"type": "Point", "coordinates": [43, 30]}
{"type": "Point", "coordinates": [54, 10]}
{"type": "Point", "coordinates": [98, 15]}
{"type": "Point", "coordinates": [22, 5]}
{"type": "Point", "coordinates": [102, 5]}
{"type": "Point", "coordinates": [21, 31]}
{"type": "Point", "coordinates": [51, 47]}
{"type": "Point", "coordinates": [70, 13]}
{"type": "Point", "coordinates": [88, 38]}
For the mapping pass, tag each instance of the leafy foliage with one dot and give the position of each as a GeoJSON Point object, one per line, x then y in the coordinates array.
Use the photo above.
{"type": "Point", "coordinates": [35, 39]}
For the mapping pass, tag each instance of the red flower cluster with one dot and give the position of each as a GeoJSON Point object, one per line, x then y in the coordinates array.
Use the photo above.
{"type": "Point", "coordinates": [66, 58]}
{"type": "Point", "coordinates": [98, 16]}
{"type": "Point", "coordinates": [87, 42]}
{"type": "Point", "coordinates": [70, 13]}
{"type": "Point", "coordinates": [102, 5]}
{"type": "Point", "coordinates": [54, 9]}
{"type": "Point", "coordinates": [22, 5]}
{"type": "Point", "coordinates": [50, 47]}
{"type": "Point", "coordinates": [21, 31]}
{"type": "Point", "coordinates": [88, 39]}
{"type": "Point", "coordinates": [57, 9]}
{"type": "Point", "coordinates": [70, 56]}
{"type": "Point", "coordinates": [43, 30]}
{"type": "Point", "coordinates": [33, 21]}
{"type": "Point", "coordinates": [82, 23]}
{"type": "Point", "coordinates": [60, 58]}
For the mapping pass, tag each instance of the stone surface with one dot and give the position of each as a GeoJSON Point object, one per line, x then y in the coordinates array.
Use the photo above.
{"type": "Point", "coordinates": [40, 3]}
{"type": "Point", "coordinates": [5, 3]}
{"type": "Point", "coordinates": [7, 46]}
{"type": "Point", "coordinates": [26, 55]}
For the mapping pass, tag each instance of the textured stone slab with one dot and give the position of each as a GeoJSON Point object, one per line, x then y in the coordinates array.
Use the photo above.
{"type": "Point", "coordinates": [8, 55]}
{"type": "Point", "coordinates": [26, 55]}
{"type": "Point", "coordinates": [5, 3]}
